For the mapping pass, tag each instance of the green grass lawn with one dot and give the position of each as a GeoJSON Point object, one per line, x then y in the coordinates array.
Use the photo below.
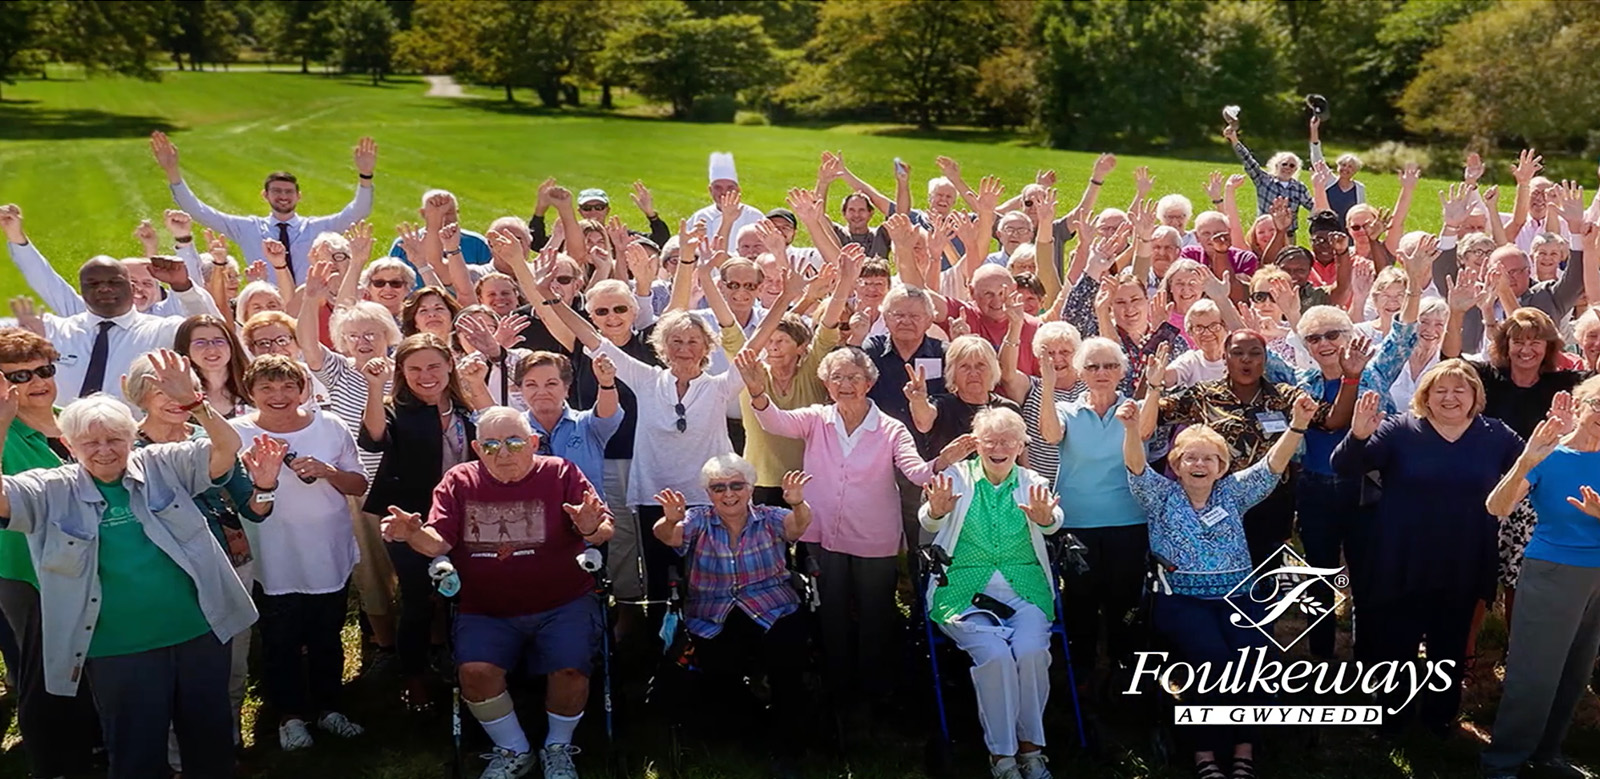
{"type": "Point", "coordinates": [74, 155]}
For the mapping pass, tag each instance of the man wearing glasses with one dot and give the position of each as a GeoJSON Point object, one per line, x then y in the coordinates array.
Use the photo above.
{"type": "Point", "coordinates": [596, 204]}
{"type": "Point", "coordinates": [1015, 230]}
{"type": "Point", "coordinates": [513, 524]}
{"type": "Point", "coordinates": [1216, 251]}
{"type": "Point", "coordinates": [282, 193]}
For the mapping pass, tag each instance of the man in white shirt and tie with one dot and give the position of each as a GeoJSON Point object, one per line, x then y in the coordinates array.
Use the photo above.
{"type": "Point", "coordinates": [63, 298]}
{"type": "Point", "coordinates": [282, 193]}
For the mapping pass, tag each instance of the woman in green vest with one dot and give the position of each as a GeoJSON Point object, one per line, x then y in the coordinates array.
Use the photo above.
{"type": "Point", "coordinates": [991, 515]}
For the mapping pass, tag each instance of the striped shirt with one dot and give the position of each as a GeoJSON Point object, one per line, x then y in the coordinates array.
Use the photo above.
{"type": "Point", "coordinates": [750, 572]}
{"type": "Point", "coordinates": [1045, 459]}
{"type": "Point", "coordinates": [347, 395]}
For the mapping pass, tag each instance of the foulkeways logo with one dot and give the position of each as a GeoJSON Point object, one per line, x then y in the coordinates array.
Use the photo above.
{"type": "Point", "coordinates": [1286, 585]}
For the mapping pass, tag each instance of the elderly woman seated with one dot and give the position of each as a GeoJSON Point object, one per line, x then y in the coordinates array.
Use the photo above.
{"type": "Point", "coordinates": [133, 587]}
{"type": "Point", "coordinates": [740, 607]}
{"type": "Point", "coordinates": [991, 516]}
{"type": "Point", "coordinates": [1197, 535]}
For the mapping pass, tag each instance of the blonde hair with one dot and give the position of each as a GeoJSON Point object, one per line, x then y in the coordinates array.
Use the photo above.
{"type": "Point", "coordinates": [1267, 274]}
{"type": "Point", "coordinates": [972, 347]}
{"type": "Point", "coordinates": [1455, 368]}
{"type": "Point", "coordinates": [673, 321]}
{"type": "Point", "coordinates": [1201, 435]}
{"type": "Point", "coordinates": [1589, 388]}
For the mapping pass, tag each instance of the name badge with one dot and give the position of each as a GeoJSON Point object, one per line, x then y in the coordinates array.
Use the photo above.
{"type": "Point", "coordinates": [1215, 515]}
{"type": "Point", "coordinates": [1272, 422]}
{"type": "Point", "coordinates": [67, 360]}
{"type": "Point", "coordinates": [932, 368]}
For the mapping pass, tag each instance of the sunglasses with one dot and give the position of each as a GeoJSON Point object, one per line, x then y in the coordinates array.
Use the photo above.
{"type": "Point", "coordinates": [1324, 239]}
{"type": "Point", "coordinates": [682, 424]}
{"type": "Point", "coordinates": [208, 343]}
{"type": "Point", "coordinates": [395, 283]}
{"type": "Point", "coordinates": [365, 338]}
{"type": "Point", "coordinates": [1330, 336]}
{"type": "Point", "coordinates": [1096, 367]}
{"type": "Point", "coordinates": [723, 486]}
{"type": "Point", "coordinates": [748, 286]}
{"type": "Point", "coordinates": [1262, 296]}
{"type": "Point", "coordinates": [1360, 228]}
{"type": "Point", "coordinates": [564, 280]}
{"type": "Point", "coordinates": [261, 344]}
{"type": "Point", "coordinates": [593, 207]}
{"type": "Point", "coordinates": [492, 446]}
{"type": "Point", "coordinates": [622, 308]}
{"type": "Point", "coordinates": [26, 374]}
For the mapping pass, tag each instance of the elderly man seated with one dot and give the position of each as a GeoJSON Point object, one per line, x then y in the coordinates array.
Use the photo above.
{"type": "Point", "coordinates": [513, 524]}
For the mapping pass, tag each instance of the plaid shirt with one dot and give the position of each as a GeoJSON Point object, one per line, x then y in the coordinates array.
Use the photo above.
{"type": "Point", "coordinates": [750, 571]}
{"type": "Point", "coordinates": [1269, 188]}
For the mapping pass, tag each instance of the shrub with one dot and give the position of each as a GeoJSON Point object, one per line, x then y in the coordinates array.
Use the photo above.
{"type": "Point", "coordinates": [1392, 156]}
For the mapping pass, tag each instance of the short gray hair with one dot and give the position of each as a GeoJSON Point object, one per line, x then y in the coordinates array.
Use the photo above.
{"type": "Point", "coordinates": [852, 355]}
{"type": "Point", "coordinates": [1350, 158]}
{"type": "Point", "coordinates": [334, 241]}
{"type": "Point", "coordinates": [97, 410]}
{"type": "Point", "coordinates": [907, 292]}
{"type": "Point", "coordinates": [1050, 332]}
{"type": "Point", "coordinates": [363, 311]}
{"type": "Point", "coordinates": [1175, 200]}
{"type": "Point", "coordinates": [387, 263]}
{"type": "Point", "coordinates": [141, 378]}
{"type": "Point", "coordinates": [1319, 317]}
{"type": "Point", "coordinates": [673, 321]}
{"type": "Point", "coordinates": [495, 414]}
{"type": "Point", "coordinates": [253, 289]}
{"type": "Point", "coordinates": [1098, 343]}
{"type": "Point", "coordinates": [726, 465]}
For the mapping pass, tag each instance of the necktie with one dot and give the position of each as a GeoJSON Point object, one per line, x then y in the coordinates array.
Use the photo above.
{"type": "Point", "coordinates": [95, 378]}
{"type": "Point", "coordinates": [288, 254]}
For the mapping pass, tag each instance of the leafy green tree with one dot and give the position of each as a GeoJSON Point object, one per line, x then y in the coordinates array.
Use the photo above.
{"type": "Point", "coordinates": [1244, 61]}
{"type": "Point", "coordinates": [364, 37]}
{"type": "Point", "coordinates": [112, 36]}
{"type": "Point", "coordinates": [665, 53]}
{"type": "Point", "coordinates": [19, 33]}
{"type": "Point", "coordinates": [790, 23]}
{"type": "Point", "coordinates": [300, 30]}
{"type": "Point", "coordinates": [204, 31]}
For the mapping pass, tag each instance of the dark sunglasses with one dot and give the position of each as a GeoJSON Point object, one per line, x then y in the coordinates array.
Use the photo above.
{"type": "Point", "coordinates": [566, 279]}
{"type": "Point", "coordinates": [396, 283]}
{"type": "Point", "coordinates": [26, 374]}
{"type": "Point", "coordinates": [593, 207]}
{"type": "Point", "coordinates": [748, 286]}
{"type": "Point", "coordinates": [621, 308]}
{"type": "Point", "coordinates": [1262, 296]}
{"type": "Point", "coordinates": [682, 424]}
{"type": "Point", "coordinates": [1330, 336]}
{"type": "Point", "coordinates": [721, 487]}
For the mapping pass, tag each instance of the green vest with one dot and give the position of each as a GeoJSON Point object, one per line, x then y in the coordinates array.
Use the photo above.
{"type": "Point", "coordinates": [994, 537]}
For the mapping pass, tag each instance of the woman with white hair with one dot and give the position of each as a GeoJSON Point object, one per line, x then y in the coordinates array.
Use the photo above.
{"type": "Point", "coordinates": [1204, 362]}
{"type": "Point", "coordinates": [856, 450]}
{"type": "Point", "coordinates": [1586, 335]}
{"type": "Point", "coordinates": [1056, 343]}
{"type": "Point", "coordinates": [387, 282]}
{"type": "Point", "coordinates": [134, 589]}
{"type": "Point", "coordinates": [990, 515]}
{"type": "Point", "coordinates": [971, 373]}
{"type": "Point", "coordinates": [740, 609]}
{"type": "Point", "coordinates": [1277, 179]}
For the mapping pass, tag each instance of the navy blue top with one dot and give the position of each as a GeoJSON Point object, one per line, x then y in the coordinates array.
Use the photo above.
{"type": "Point", "coordinates": [1432, 531]}
{"type": "Point", "coordinates": [889, 391]}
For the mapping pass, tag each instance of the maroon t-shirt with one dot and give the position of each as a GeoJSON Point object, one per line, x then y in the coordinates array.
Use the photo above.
{"type": "Point", "coordinates": [514, 547]}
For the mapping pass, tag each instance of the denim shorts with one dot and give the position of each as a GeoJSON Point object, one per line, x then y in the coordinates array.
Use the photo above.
{"type": "Point", "coordinates": [564, 637]}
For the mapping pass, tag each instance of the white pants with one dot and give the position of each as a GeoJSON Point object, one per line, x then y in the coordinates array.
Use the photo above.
{"type": "Point", "coordinates": [1010, 668]}
{"type": "Point", "coordinates": [622, 551]}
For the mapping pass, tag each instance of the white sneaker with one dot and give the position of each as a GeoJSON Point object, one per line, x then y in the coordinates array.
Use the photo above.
{"type": "Point", "coordinates": [505, 764]}
{"type": "Point", "coordinates": [558, 761]}
{"type": "Point", "coordinates": [293, 735]}
{"type": "Point", "coordinates": [1005, 769]}
{"type": "Point", "coordinates": [339, 725]}
{"type": "Point", "coordinates": [1032, 765]}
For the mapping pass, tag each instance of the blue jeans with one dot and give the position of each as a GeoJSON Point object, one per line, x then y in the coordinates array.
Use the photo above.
{"type": "Point", "coordinates": [1200, 631]}
{"type": "Point", "coordinates": [1332, 524]}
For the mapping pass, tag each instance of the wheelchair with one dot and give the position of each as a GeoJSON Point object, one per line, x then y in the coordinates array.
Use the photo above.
{"type": "Point", "coordinates": [448, 585]}
{"type": "Point", "coordinates": [1064, 551]}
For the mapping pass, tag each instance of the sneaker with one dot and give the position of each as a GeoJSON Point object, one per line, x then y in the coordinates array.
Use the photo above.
{"type": "Point", "coordinates": [1005, 769]}
{"type": "Point", "coordinates": [557, 760]}
{"type": "Point", "coordinates": [293, 735]}
{"type": "Point", "coordinates": [505, 764]}
{"type": "Point", "coordinates": [1559, 766]}
{"type": "Point", "coordinates": [1032, 765]}
{"type": "Point", "coordinates": [339, 725]}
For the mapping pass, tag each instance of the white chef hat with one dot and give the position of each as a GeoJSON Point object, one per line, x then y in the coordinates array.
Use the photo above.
{"type": "Point", "coordinates": [721, 166]}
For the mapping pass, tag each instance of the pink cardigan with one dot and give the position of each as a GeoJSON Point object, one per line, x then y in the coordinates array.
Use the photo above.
{"type": "Point", "coordinates": [855, 501]}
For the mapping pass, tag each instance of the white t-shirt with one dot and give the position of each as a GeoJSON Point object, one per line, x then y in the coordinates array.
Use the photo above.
{"type": "Point", "coordinates": [1193, 367]}
{"type": "Point", "coordinates": [307, 545]}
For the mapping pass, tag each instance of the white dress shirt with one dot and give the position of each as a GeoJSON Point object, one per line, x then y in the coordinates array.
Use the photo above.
{"type": "Point", "coordinates": [249, 231]}
{"type": "Point", "coordinates": [132, 334]}
{"type": "Point", "coordinates": [711, 217]}
{"type": "Point", "coordinates": [63, 298]}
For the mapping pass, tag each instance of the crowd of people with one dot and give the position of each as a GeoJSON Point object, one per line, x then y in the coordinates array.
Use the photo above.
{"type": "Point", "coordinates": [232, 435]}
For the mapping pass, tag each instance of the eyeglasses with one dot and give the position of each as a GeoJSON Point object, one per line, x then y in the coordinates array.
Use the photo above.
{"type": "Point", "coordinates": [1262, 296]}
{"type": "Point", "coordinates": [1214, 327]}
{"type": "Point", "coordinates": [682, 424]}
{"type": "Point", "coordinates": [1020, 231]}
{"type": "Point", "coordinates": [1027, 203]}
{"type": "Point", "coordinates": [1330, 336]}
{"type": "Point", "coordinates": [720, 487]}
{"type": "Point", "coordinates": [209, 343]}
{"type": "Point", "coordinates": [593, 206]}
{"type": "Point", "coordinates": [1359, 228]}
{"type": "Point", "coordinates": [396, 283]}
{"type": "Point", "coordinates": [564, 280]}
{"type": "Point", "coordinates": [848, 378]}
{"type": "Point", "coordinates": [1592, 403]}
{"type": "Point", "coordinates": [1197, 459]}
{"type": "Point", "coordinates": [365, 338]}
{"type": "Point", "coordinates": [1096, 367]}
{"type": "Point", "coordinates": [748, 286]}
{"type": "Point", "coordinates": [492, 446]}
{"type": "Point", "coordinates": [341, 256]}
{"type": "Point", "coordinates": [621, 308]}
{"type": "Point", "coordinates": [901, 315]}
{"type": "Point", "coordinates": [26, 374]}
{"type": "Point", "coordinates": [1323, 239]}
{"type": "Point", "coordinates": [261, 344]}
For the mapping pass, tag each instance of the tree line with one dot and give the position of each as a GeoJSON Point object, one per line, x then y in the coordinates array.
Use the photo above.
{"type": "Point", "coordinates": [1086, 74]}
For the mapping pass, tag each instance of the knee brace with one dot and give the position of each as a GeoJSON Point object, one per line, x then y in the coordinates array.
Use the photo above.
{"type": "Point", "coordinates": [492, 709]}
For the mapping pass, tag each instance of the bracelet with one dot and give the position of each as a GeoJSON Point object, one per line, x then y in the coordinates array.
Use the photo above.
{"type": "Point", "coordinates": [200, 400]}
{"type": "Point", "coordinates": [185, 239]}
{"type": "Point", "coordinates": [1300, 430]}
{"type": "Point", "coordinates": [259, 488]}
{"type": "Point", "coordinates": [452, 252]}
{"type": "Point", "coordinates": [364, 176]}
{"type": "Point", "coordinates": [219, 264]}
{"type": "Point", "coordinates": [1349, 381]}
{"type": "Point", "coordinates": [1216, 201]}
{"type": "Point", "coordinates": [1097, 182]}
{"type": "Point", "coordinates": [589, 534]}
{"type": "Point", "coordinates": [550, 302]}
{"type": "Point", "coordinates": [607, 386]}
{"type": "Point", "coordinates": [275, 267]}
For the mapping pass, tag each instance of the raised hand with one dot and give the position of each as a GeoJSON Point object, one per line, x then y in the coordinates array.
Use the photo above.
{"type": "Point", "coordinates": [508, 332]}
{"type": "Point", "coordinates": [1155, 368]}
{"type": "Point", "coordinates": [1214, 186]}
{"type": "Point", "coordinates": [320, 278]}
{"type": "Point", "coordinates": [642, 199]}
{"type": "Point", "coordinates": [1571, 208]}
{"type": "Point", "coordinates": [1103, 165]}
{"type": "Point", "coordinates": [450, 237]}
{"type": "Point", "coordinates": [1321, 176]}
{"type": "Point", "coordinates": [476, 334]}
{"type": "Point", "coordinates": [11, 223]}
{"type": "Point", "coordinates": [366, 156]}
{"type": "Point", "coordinates": [989, 190]}
{"type": "Point", "coordinates": [1588, 501]}
{"type": "Point", "coordinates": [1217, 288]}
{"type": "Point", "coordinates": [605, 371]}
{"type": "Point", "coordinates": [257, 271]}
{"type": "Point", "coordinates": [1410, 175]}
{"type": "Point", "coordinates": [170, 271]}
{"type": "Point", "coordinates": [1463, 290]}
{"type": "Point", "coordinates": [729, 204]}
{"type": "Point", "coordinates": [916, 384]}
{"type": "Point", "coordinates": [174, 376]}
{"type": "Point", "coordinates": [948, 167]}
{"type": "Point", "coordinates": [1491, 198]}
{"type": "Point", "coordinates": [1305, 410]}
{"type": "Point", "coordinates": [1473, 169]}
{"type": "Point", "coordinates": [276, 253]}
{"type": "Point", "coordinates": [473, 371]}
{"type": "Point", "coordinates": [673, 505]}
{"type": "Point", "coordinates": [434, 210]}
{"type": "Point", "coordinates": [1041, 505]}
{"type": "Point", "coordinates": [264, 459]}
{"type": "Point", "coordinates": [1045, 178]}
{"type": "Point", "coordinates": [1527, 166]}
{"type": "Point", "coordinates": [1143, 182]}
{"type": "Point", "coordinates": [1563, 411]}
{"type": "Point", "coordinates": [1285, 296]}
{"type": "Point", "coordinates": [752, 371]}
{"type": "Point", "coordinates": [145, 234]}
{"type": "Point", "coordinates": [165, 153]}
{"type": "Point", "coordinates": [1128, 414]}
{"type": "Point", "coordinates": [360, 237]}
{"type": "Point", "coordinates": [411, 240]}
{"type": "Point", "coordinates": [1362, 274]}
{"type": "Point", "coordinates": [1044, 206]}
{"type": "Point", "coordinates": [794, 487]}
{"type": "Point", "coordinates": [1235, 181]}
{"type": "Point", "coordinates": [27, 317]}
{"type": "Point", "coordinates": [1546, 437]}
{"type": "Point", "coordinates": [1419, 261]}
{"type": "Point", "coordinates": [1282, 217]}
{"type": "Point", "coordinates": [1353, 360]}
{"type": "Point", "coordinates": [1368, 413]}
{"type": "Point", "coordinates": [1456, 203]}
{"type": "Point", "coordinates": [804, 203]}
{"type": "Point", "coordinates": [939, 492]}
{"type": "Point", "coordinates": [400, 524]}
{"type": "Point", "coordinates": [587, 515]}
{"type": "Point", "coordinates": [378, 371]}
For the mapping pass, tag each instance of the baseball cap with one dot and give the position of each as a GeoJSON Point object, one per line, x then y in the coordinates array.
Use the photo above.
{"type": "Point", "coordinates": [784, 213]}
{"type": "Point", "coordinates": [591, 195]}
